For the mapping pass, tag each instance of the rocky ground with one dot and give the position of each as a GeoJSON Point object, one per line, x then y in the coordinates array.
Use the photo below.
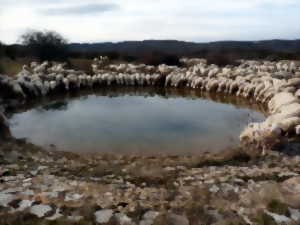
{"type": "Point", "coordinates": [233, 187]}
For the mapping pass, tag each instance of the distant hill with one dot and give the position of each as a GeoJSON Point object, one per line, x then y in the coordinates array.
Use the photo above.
{"type": "Point", "coordinates": [182, 47]}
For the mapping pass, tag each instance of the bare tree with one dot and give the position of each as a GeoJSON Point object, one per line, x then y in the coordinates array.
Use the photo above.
{"type": "Point", "coordinates": [47, 45]}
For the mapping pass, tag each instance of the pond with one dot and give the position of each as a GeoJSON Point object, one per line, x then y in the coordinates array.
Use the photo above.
{"type": "Point", "coordinates": [134, 121]}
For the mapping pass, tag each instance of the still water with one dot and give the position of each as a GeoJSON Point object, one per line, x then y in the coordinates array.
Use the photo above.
{"type": "Point", "coordinates": [133, 121]}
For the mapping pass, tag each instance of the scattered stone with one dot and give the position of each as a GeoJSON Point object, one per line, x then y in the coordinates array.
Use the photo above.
{"type": "Point", "coordinates": [73, 197]}
{"type": "Point", "coordinates": [12, 156]}
{"type": "Point", "coordinates": [24, 204]}
{"type": "Point", "coordinates": [5, 199]}
{"type": "Point", "coordinates": [56, 215]}
{"type": "Point", "coordinates": [34, 172]}
{"type": "Point", "coordinates": [42, 168]}
{"type": "Point", "coordinates": [123, 219]}
{"type": "Point", "coordinates": [28, 192]}
{"type": "Point", "coordinates": [149, 217]}
{"type": "Point", "coordinates": [12, 190]}
{"type": "Point", "coordinates": [292, 185]}
{"type": "Point", "coordinates": [214, 189]}
{"type": "Point", "coordinates": [291, 188]}
{"type": "Point", "coordinates": [75, 218]}
{"type": "Point", "coordinates": [174, 219]}
{"type": "Point", "coordinates": [278, 218]}
{"type": "Point", "coordinates": [40, 210]}
{"type": "Point", "coordinates": [104, 215]}
{"type": "Point", "coordinates": [295, 214]}
{"type": "Point", "coordinates": [9, 178]}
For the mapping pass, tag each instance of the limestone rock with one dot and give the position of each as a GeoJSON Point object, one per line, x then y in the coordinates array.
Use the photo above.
{"type": "Point", "coordinates": [40, 210]}
{"type": "Point", "coordinates": [5, 199]}
{"type": "Point", "coordinates": [104, 215]}
{"type": "Point", "coordinates": [174, 219]}
{"type": "Point", "coordinates": [291, 189]}
{"type": "Point", "coordinates": [123, 219]}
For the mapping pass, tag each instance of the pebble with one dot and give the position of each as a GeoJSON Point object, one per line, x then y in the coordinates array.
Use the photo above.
{"type": "Point", "coordinates": [278, 218]}
{"type": "Point", "coordinates": [214, 189]}
{"type": "Point", "coordinates": [5, 199]}
{"type": "Point", "coordinates": [24, 204]}
{"type": "Point", "coordinates": [40, 210]}
{"type": "Point", "coordinates": [174, 219]}
{"type": "Point", "coordinates": [123, 219]}
{"type": "Point", "coordinates": [56, 215]}
{"type": "Point", "coordinates": [104, 215]}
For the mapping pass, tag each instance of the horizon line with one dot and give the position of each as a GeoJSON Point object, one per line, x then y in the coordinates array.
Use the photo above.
{"type": "Point", "coordinates": [177, 40]}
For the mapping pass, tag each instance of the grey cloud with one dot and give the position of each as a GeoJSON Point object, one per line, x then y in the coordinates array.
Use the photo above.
{"type": "Point", "coordinates": [81, 9]}
{"type": "Point", "coordinates": [14, 3]}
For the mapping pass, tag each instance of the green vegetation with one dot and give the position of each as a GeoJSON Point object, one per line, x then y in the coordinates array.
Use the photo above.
{"type": "Point", "coordinates": [262, 218]}
{"type": "Point", "coordinates": [278, 207]}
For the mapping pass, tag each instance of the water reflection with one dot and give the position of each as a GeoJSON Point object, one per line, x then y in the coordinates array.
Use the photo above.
{"type": "Point", "coordinates": [135, 120]}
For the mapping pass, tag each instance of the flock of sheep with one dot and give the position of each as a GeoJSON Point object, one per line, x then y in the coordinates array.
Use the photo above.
{"type": "Point", "coordinates": [276, 84]}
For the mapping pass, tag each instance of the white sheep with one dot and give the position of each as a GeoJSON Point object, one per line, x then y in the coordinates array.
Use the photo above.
{"type": "Point", "coordinates": [66, 83]}
{"type": "Point", "coordinates": [52, 85]}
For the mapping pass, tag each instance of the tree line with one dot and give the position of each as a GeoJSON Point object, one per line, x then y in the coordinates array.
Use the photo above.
{"type": "Point", "coordinates": [52, 46]}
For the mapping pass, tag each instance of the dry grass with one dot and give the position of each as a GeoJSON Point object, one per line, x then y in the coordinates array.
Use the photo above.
{"type": "Point", "coordinates": [261, 218]}
{"type": "Point", "coordinates": [152, 176]}
{"type": "Point", "coordinates": [81, 64]}
{"type": "Point", "coordinates": [230, 157]}
{"type": "Point", "coordinates": [267, 196]}
{"type": "Point", "coordinates": [12, 67]}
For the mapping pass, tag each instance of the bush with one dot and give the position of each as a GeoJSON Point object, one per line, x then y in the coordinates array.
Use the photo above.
{"type": "Point", "coordinates": [263, 219]}
{"type": "Point", "coordinates": [47, 45]}
{"type": "Point", "coordinates": [278, 207]}
{"type": "Point", "coordinates": [157, 58]}
{"type": "Point", "coordinates": [11, 52]}
{"type": "Point", "coordinates": [222, 58]}
{"type": "Point", "coordinates": [129, 58]}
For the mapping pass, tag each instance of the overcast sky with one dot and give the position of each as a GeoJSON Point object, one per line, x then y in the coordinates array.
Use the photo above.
{"type": "Point", "coordinates": [118, 20]}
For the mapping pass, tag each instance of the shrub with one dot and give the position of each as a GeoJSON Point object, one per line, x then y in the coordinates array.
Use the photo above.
{"type": "Point", "coordinates": [129, 58]}
{"type": "Point", "coordinates": [221, 58]}
{"type": "Point", "coordinates": [278, 207]}
{"type": "Point", "coordinates": [263, 219]}
{"type": "Point", "coordinates": [47, 45]}
{"type": "Point", "coordinates": [157, 58]}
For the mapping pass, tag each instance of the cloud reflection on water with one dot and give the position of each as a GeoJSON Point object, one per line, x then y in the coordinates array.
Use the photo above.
{"type": "Point", "coordinates": [134, 124]}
